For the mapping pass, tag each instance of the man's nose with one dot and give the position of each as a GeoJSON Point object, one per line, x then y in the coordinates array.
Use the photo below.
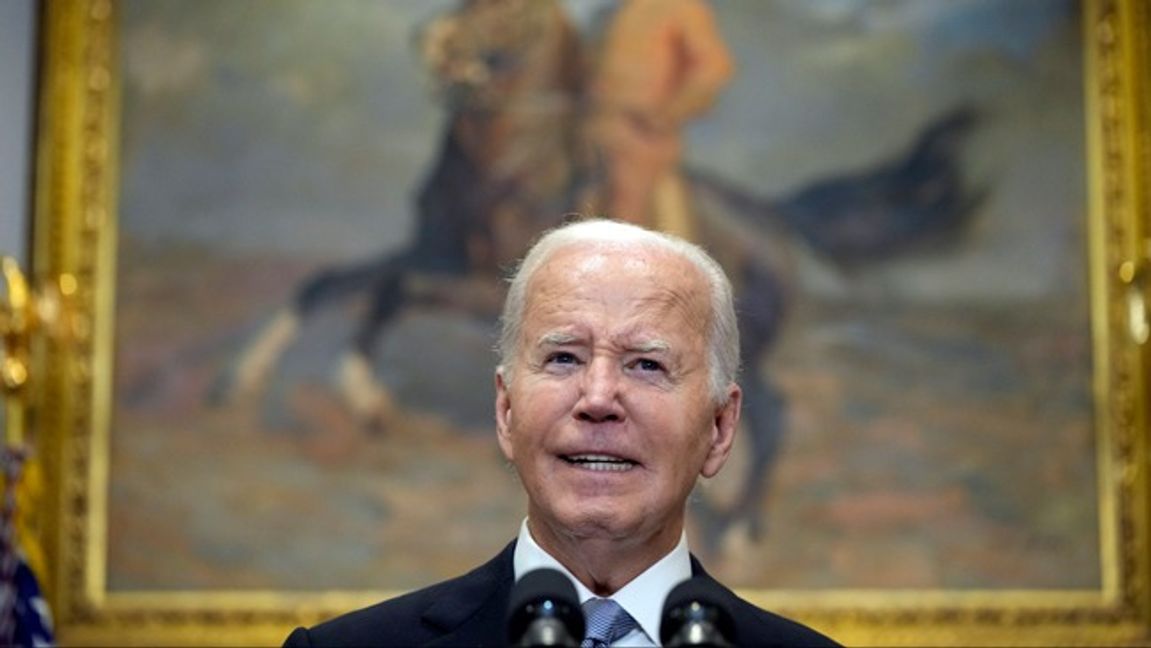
{"type": "Point", "coordinates": [599, 398]}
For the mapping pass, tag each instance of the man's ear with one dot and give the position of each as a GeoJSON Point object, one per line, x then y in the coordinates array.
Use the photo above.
{"type": "Point", "coordinates": [724, 424]}
{"type": "Point", "coordinates": [503, 414]}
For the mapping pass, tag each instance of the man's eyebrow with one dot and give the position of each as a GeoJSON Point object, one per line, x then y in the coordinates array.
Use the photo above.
{"type": "Point", "coordinates": [560, 338]}
{"type": "Point", "coordinates": [556, 338]}
{"type": "Point", "coordinates": [649, 346]}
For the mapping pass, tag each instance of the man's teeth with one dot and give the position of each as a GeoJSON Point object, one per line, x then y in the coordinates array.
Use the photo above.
{"type": "Point", "coordinates": [600, 462]}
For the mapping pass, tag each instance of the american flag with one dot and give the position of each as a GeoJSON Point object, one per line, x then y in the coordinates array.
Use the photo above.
{"type": "Point", "coordinates": [25, 620]}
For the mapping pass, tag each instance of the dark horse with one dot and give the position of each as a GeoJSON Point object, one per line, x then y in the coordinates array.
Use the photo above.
{"type": "Point", "coordinates": [511, 164]}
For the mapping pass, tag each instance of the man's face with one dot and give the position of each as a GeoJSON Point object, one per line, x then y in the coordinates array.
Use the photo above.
{"type": "Point", "coordinates": [608, 417]}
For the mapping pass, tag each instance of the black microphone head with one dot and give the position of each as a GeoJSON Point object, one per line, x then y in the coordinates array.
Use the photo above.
{"type": "Point", "coordinates": [543, 602]}
{"type": "Point", "coordinates": [694, 614]}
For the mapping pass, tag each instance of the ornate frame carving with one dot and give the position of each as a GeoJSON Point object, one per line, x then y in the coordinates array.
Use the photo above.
{"type": "Point", "coordinates": [75, 231]}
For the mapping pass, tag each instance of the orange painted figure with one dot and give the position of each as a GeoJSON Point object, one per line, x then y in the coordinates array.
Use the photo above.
{"type": "Point", "coordinates": [660, 64]}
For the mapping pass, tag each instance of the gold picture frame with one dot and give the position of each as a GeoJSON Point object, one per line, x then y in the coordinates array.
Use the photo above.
{"type": "Point", "coordinates": [75, 237]}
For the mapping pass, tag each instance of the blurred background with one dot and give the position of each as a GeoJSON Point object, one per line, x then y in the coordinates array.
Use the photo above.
{"type": "Point", "coordinates": [908, 176]}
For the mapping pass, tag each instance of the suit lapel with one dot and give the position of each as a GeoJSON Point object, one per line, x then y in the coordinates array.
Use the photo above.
{"type": "Point", "coordinates": [697, 568]}
{"type": "Point", "coordinates": [473, 613]}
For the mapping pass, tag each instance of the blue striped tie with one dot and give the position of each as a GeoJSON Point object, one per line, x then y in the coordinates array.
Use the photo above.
{"type": "Point", "coordinates": [606, 622]}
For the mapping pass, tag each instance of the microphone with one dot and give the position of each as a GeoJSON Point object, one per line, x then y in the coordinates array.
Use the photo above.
{"type": "Point", "coordinates": [544, 610]}
{"type": "Point", "coordinates": [693, 615]}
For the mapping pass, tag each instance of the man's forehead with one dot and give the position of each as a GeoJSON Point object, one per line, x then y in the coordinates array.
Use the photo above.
{"type": "Point", "coordinates": [556, 308]}
{"type": "Point", "coordinates": [591, 256]}
{"type": "Point", "coordinates": [670, 276]}
{"type": "Point", "coordinates": [646, 294]}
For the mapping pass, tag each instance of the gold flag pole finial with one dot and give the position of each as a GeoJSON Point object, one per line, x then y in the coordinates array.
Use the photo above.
{"type": "Point", "coordinates": [15, 327]}
{"type": "Point", "coordinates": [1134, 278]}
{"type": "Point", "coordinates": [24, 312]}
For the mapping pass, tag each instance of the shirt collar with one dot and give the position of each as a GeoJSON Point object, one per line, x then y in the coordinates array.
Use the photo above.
{"type": "Point", "coordinates": [643, 597]}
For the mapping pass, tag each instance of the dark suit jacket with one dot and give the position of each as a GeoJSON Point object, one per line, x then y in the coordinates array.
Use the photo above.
{"type": "Point", "coordinates": [469, 611]}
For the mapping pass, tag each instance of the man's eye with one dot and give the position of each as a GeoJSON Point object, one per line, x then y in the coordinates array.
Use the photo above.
{"type": "Point", "coordinates": [562, 357]}
{"type": "Point", "coordinates": [647, 364]}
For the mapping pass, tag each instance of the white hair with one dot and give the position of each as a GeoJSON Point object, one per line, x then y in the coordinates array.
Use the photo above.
{"type": "Point", "coordinates": [723, 332]}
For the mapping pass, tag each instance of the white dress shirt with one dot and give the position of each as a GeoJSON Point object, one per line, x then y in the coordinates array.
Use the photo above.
{"type": "Point", "coordinates": [643, 597]}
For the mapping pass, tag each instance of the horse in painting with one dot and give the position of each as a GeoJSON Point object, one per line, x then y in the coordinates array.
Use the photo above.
{"type": "Point", "coordinates": [512, 164]}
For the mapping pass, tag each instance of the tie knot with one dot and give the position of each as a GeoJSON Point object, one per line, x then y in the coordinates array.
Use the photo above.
{"type": "Point", "coordinates": [606, 622]}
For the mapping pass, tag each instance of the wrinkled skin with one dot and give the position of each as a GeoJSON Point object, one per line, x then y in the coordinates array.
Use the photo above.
{"type": "Point", "coordinates": [607, 414]}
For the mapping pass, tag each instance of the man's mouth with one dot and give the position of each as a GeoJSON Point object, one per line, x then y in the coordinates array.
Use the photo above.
{"type": "Point", "coordinates": [607, 463]}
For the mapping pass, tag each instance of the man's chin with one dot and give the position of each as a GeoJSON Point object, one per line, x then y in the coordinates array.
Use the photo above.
{"type": "Point", "coordinates": [606, 524]}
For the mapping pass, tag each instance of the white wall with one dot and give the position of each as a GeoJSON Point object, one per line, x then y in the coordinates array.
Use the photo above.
{"type": "Point", "coordinates": [17, 48]}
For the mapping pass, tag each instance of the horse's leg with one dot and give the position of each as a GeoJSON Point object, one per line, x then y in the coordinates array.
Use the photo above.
{"type": "Point", "coordinates": [258, 357]}
{"type": "Point", "coordinates": [370, 400]}
{"type": "Point", "coordinates": [765, 416]}
{"type": "Point", "coordinates": [761, 305]}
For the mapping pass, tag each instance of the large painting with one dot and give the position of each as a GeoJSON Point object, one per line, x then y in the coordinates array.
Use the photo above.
{"type": "Point", "coordinates": [317, 204]}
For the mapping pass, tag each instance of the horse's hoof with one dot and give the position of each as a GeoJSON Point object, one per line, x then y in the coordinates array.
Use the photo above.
{"type": "Point", "coordinates": [712, 523]}
{"type": "Point", "coordinates": [375, 426]}
{"type": "Point", "coordinates": [370, 402]}
{"type": "Point", "coordinates": [755, 527]}
{"type": "Point", "coordinates": [228, 390]}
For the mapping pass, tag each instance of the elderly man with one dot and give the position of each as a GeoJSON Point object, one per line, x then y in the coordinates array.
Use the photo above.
{"type": "Point", "coordinates": [615, 392]}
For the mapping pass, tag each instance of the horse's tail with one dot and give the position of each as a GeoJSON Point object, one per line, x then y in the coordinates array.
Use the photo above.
{"type": "Point", "coordinates": [917, 198]}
